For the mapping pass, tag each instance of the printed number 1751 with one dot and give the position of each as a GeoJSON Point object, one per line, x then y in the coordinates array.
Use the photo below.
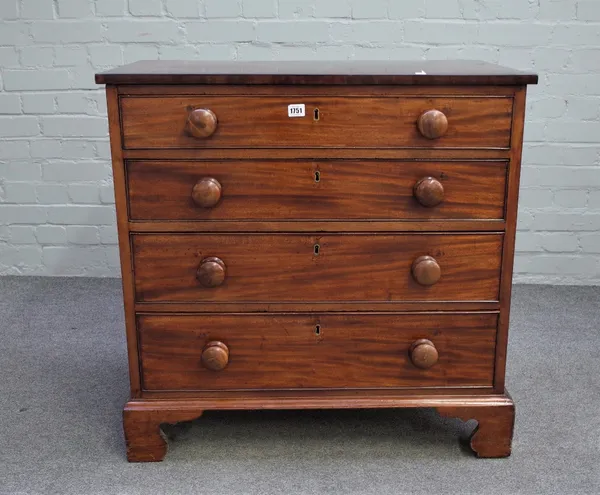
{"type": "Point", "coordinates": [296, 110]}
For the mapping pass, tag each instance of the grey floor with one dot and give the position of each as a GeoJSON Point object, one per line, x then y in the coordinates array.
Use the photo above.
{"type": "Point", "coordinates": [64, 381]}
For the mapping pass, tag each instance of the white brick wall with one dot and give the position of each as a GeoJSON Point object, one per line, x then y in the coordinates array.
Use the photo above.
{"type": "Point", "coordinates": [56, 201]}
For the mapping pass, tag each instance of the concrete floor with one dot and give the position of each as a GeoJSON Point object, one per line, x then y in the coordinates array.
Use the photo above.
{"type": "Point", "coordinates": [64, 383]}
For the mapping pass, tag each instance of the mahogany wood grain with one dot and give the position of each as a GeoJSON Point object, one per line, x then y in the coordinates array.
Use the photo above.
{"type": "Point", "coordinates": [512, 196]}
{"type": "Point", "coordinates": [367, 154]}
{"type": "Point", "coordinates": [317, 226]}
{"type": "Point", "coordinates": [144, 439]}
{"type": "Point", "coordinates": [316, 90]}
{"type": "Point", "coordinates": [494, 432]}
{"type": "Point", "coordinates": [287, 267]}
{"type": "Point", "coordinates": [324, 398]}
{"type": "Point", "coordinates": [146, 442]}
{"type": "Point", "coordinates": [357, 122]}
{"type": "Point", "coordinates": [372, 72]}
{"type": "Point", "coordinates": [215, 356]}
{"type": "Point", "coordinates": [426, 270]}
{"type": "Point", "coordinates": [321, 306]}
{"type": "Point", "coordinates": [429, 191]}
{"type": "Point", "coordinates": [423, 353]}
{"type": "Point", "coordinates": [201, 123]}
{"type": "Point", "coordinates": [206, 193]}
{"type": "Point", "coordinates": [432, 124]}
{"type": "Point", "coordinates": [127, 277]}
{"type": "Point", "coordinates": [315, 351]}
{"type": "Point", "coordinates": [315, 190]}
{"type": "Point", "coordinates": [320, 395]}
{"type": "Point", "coordinates": [211, 272]}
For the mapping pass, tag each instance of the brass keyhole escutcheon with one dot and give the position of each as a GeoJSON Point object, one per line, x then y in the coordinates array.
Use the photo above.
{"type": "Point", "coordinates": [317, 176]}
{"type": "Point", "coordinates": [316, 249]}
{"type": "Point", "coordinates": [316, 115]}
{"type": "Point", "coordinates": [318, 330]}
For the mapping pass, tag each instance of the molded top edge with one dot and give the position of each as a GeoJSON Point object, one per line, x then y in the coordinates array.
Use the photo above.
{"type": "Point", "coordinates": [390, 72]}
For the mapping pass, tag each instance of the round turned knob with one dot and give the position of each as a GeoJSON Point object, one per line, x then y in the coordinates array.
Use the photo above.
{"type": "Point", "coordinates": [201, 123]}
{"type": "Point", "coordinates": [211, 272]}
{"type": "Point", "coordinates": [423, 353]}
{"type": "Point", "coordinates": [429, 191]}
{"type": "Point", "coordinates": [207, 192]}
{"type": "Point", "coordinates": [432, 124]}
{"type": "Point", "coordinates": [426, 271]}
{"type": "Point", "coordinates": [215, 356]}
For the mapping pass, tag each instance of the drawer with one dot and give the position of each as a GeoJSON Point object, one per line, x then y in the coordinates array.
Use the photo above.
{"type": "Point", "coordinates": [315, 190]}
{"type": "Point", "coordinates": [168, 122]}
{"type": "Point", "coordinates": [227, 351]}
{"type": "Point", "coordinates": [316, 268]}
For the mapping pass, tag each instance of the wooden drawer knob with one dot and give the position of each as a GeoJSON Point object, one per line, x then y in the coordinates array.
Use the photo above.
{"type": "Point", "coordinates": [429, 191]}
{"type": "Point", "coordinates": [426, 271]}
{"type": "Point", "coordinates": [432, 124]}
{"type": "Point", "coordinates": [423, 353]}
{"type": "Point", "coordinates": [207, 192]}
{"type": "Point", "coordinates": [211, 272]}
{"type": "Point", "coordinates": [201, 122]}
{"type": "Point", "coordinates": [215, 356]}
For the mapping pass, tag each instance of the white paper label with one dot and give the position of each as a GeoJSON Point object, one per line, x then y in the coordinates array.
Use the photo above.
{"type": "Point", "coordinates": [296, 110]}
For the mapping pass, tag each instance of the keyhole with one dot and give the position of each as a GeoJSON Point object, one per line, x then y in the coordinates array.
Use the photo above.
{"type": "Point", "coordinates": [317, 176]}
{"type": "Point", "coordinates": [316, 114]}
{"type": "Point", "coordinates": [318, 330]}
{"type": "Point", "coordinates": [317, 248]}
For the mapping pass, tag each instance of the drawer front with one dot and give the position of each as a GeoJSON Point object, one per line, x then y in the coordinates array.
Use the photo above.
{"type": "Point", "coordinates": [342, 122]}
{"type": "Point", "coordinates": [315, 190]}
{"type": "Point", "coordinates": [316, 268]}
{"type": "Point", "coordinates": [226, 352]}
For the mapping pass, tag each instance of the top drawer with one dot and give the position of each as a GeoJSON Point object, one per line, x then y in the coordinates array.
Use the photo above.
{"type": "Point", "coordinates": [188, 121]}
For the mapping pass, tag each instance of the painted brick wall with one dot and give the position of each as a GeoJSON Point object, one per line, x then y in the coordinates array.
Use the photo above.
{"type": "Point", "coordinates": [56, 202]}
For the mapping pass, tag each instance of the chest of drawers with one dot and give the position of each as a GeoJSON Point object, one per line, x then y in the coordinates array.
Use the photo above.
{"type": "Point", "coordinates": [316, 235]}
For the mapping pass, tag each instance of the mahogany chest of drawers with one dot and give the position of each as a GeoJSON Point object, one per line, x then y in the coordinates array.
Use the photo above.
{"type": "Point", "coordinates": [316, 235]}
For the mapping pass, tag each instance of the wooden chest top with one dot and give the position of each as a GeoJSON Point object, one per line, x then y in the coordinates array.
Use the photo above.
{"type": "Point", "coordinates": [432, 72]}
